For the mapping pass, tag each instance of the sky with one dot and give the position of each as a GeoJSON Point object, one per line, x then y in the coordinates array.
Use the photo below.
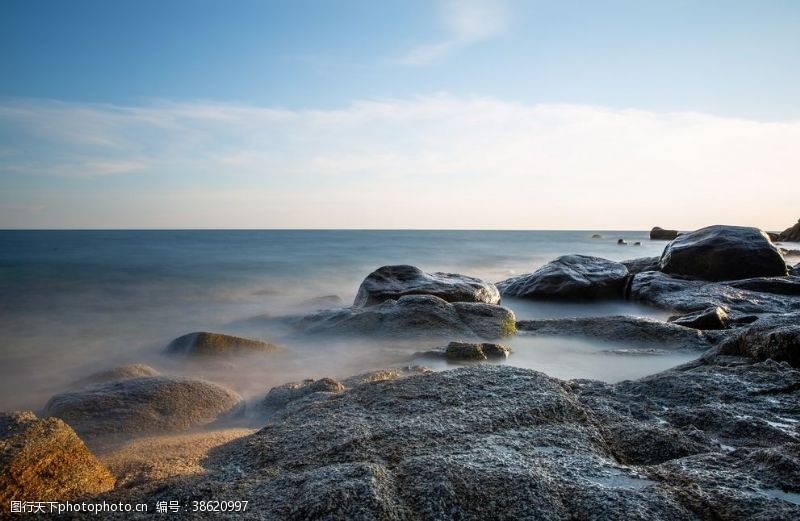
{"type": "Point", "coordinates": [466, 114]}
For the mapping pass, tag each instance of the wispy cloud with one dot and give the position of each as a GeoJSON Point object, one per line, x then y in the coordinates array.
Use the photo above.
{"type": "Point", "coordinates": [466, 22]}
{"type": "Point", "coordinates": [433, 161]}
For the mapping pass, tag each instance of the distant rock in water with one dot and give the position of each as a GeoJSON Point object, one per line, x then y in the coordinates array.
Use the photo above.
{"type": "Point", "coordinates": [144, 405]}
{"type": "Point", "coordinates": [203, 343]}
{"type": "Point", "coordinates": [641, 264]}
{"type": "Point", "coordinates": [711, 318]}
{"type": "Point", "coordinates": [723, 253]}
{"type": "Point", "coordinates": [44, 460]}
{"type": "Point", "coordinates": [414, 316]}
{"type": "Point", "coordinates": [117, 373]}
{"type": "Point", "coordinates": [622, 242]}
{"type": "Point", "coordinates": [637, 243]}
{"type": "Point", "coordinates": [393, 282]}
{"type": "Point", "coordinates": [597, 236]}
{"type": "Point", "coordinates": [791, 234]}
{"type": "Point", "coordinates": [772, 337]}
{"type": "Point", "coordinates": [569, 277]}
{"type": "Point", "coordinates": [660, 234]}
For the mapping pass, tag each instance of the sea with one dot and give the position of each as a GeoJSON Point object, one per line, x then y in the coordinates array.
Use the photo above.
{"type": "Point", "coordinates": [76, 302]}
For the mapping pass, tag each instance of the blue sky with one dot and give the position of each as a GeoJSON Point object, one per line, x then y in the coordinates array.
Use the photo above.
{"type": "Point", "coordinates": [310, 114]}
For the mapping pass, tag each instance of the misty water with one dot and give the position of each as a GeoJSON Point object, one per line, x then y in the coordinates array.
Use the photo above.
{"type": "Point", "coordinates": [75, 302]}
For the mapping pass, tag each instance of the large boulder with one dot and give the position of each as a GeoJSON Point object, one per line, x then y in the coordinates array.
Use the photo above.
{"type": "Point", "coordinates": [791, 234]}
{"type": "Point", "coordinates": [144, 405]}
{"type": "Point", "coordinates": [723, 253]}
{"type": "Point", "coordinates": [660, 234]}
{"type": "Point", "coordinates": [569, 277]}
{"type": "Point", "coordinates": [393, 282]}
{"type": "Point", "coordinates": [773, 337]}
{"type": "Point", "coordinates": [44, 460]}
{"type": "Point", "coordinates": [414, 316]}
{"type": "Point", "coordinates": [203, 343]}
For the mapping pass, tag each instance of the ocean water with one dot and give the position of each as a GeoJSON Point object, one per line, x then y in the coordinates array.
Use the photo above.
{"type": "Point", "coordinates": [74, 302]}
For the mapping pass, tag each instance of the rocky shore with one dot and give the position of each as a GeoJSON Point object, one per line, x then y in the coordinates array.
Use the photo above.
{"type": "Point", "coordinates": [717, 438]}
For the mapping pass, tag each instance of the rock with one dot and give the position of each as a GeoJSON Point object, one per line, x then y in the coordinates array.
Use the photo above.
{"type": "Point", "coordinates": [279, 397]}
{"type": "Point", "coordinates": [381, 375]}
{"type": "Point", "coordinates": [570, 277]}
{"type": "Point", "coordinates": [773, 337]}
{"type": "Point", "coordinates": [774, 237]}
{"type": "Point", "coordinates": [498, 442]}
{"type": "Point", "coordinates": [44, 460]}
{"type": "Point", "coordinates": [596, 236]}
{"type": "Point", "coordinates": [414, 316]}
{"type": "Point", "coordinates": [393, 282]}
{"type": "Point", "coordinates": [634, 331]}
{"type": "Point", "coordinates": [723, 253]}
{"type": "Point", "coordinates": [776, 285]}
{"type": "Point", "coordinates": [144, 405]}
{"type": "Point", "coordinates": [711, 318]}
{"type": "Point", "coordinates": [203, 343]}
{"type": "Point", "coordinates": [686, 296]}
{"type": "Point", "coordinates": [641, 264]}
{"type": "Point", "coordinates": [796, 270]}
{"type": "Point", "coordinates": [660, 234]}
{"type": "Point", "coordinates": [117, 373]}
{"type": "Point", "coordinates": [791, 234]}
{"type": "Point", "coordinates": [465, 351]}
{"type": "Point", "coordinates": [622, 242]}
{"type": "Point", "coordinates": [637, 243]}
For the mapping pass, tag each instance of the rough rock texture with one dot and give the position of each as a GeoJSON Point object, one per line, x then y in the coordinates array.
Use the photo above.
{"type": "Point", "coordinates": [202, 343]}
{"type": "Point", "coordinates": [144, 405]}
{"type": "Point", "coordinates": [380, 375]}
{"type": "Point", "coordinates": [723, 253]}
{"type": "Point", "coordinates": [660, 234]}
{"type": "Point", "coordinates": [635, 331]}
{"type": "Point", "coordinates": [44, 460]}
{"type": "Point", "coordinates": [496, 442]}
{"type": "Point", "coordinates": [117, 373]}
{"type": "Point", "coordinates": [791, 234]}
{"type": "Point", "coordinates": [641, 264]}
{"type": "Point", "coordinates": [711, 318]}
{"type": "Point", "coordinates": [570, 277]}
{"type": "Point", "coordinates": [796, 270]}
{"type": "Point", "coordinates": [775, 337]}
{"type": "Point", "coordinates": [414, 315]}
{"type": "Point", "coordinates": [777, 285]}
{"type": "Point", "coordinates": [278, 397]}
{"type": "Point", "coordinates": [466, 351]}
{"type": "Point", "coordinates": [684, 296]}
{"type": "Point", "coordinates": [393, 282]}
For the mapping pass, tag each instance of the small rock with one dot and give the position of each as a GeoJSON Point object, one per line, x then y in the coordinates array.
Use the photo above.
{"type": "Point", "coordinates": [203, 343]}
{"type": "Point", "coordinates": [637, 243]}
{"type": "Point", "coordinates": [711, 318]}
{"type": "Point", "coordinates": [279, 397]}
{"type": "Point", "coordinates": [44, 460]}
{"type": "Point", "coordinates": [476, 352]}
{"type": "Point", "coordinates": [622, 242]}
{"type": "Point", "coordinates": [597, 236]}
{"type": "Point", "coordinates": [660, 234]}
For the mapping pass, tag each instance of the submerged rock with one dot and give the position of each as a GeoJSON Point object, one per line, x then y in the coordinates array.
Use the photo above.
{"type": "Point", "coordinates": [791, 234]}
{"type": "Point", "coordinates": [644, 332]}
{"type": "Point", "coordinates": [723, 253]}
{"type": "Point", "coordinates": [203, 343]}
{"type": "Point", "coordinates": [596, 236]}
{"type": "Point", "coordinates": [711, 318]}
{"type": "Point", "coordinates": [772, 337]}
{"type": "Point", "coordinates": [393, 282]}
{"type": "Point", "coordinates": [117, 373]}
{"type": "Point", "coordinates": [660, 234]}
{"type": "Point", "coordinates": [570, 277]}
{"type": "Point", "coordinates": [144, 405]}
{"type": "Point", "coordinates": [44, 460]}
{"type": "Point", "coordinates": [412, 316]}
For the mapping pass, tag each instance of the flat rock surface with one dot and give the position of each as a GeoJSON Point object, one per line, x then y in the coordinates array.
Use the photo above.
{"type": "Point", "coordinates": [393, 282]}
{"type": "Point", "coordinates": [570, 277]}
{"type": "Point", "coordinates": [143, 405]}
{"type": "Point", "coordinates": [203, 343]}
{"type": "Point", "coordinates": [44, 460]}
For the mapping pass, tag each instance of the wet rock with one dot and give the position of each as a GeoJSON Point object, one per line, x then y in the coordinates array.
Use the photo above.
{"type": "Point", "coordinates": [633, 331]}
{"type": "Point", "coordinates": [117, 373]}
{"type": "Point", "coordinates": [637, 243]}
{"type": "Point", "coordinates": [796, 270]}
{"type": "Point", "coordinates": [772, 337]}
{"type": "Point", "coordinates": [660, 234]}
{"type": "Point", "coordinates": [144, 405]}
{"type": "Point", "coordinates": [279, 397]}
{"type": "Point", "coordinates": [791, 234]}
{"type": "Point", "coordinates": [622, 242]}
{"type": "Point", "coordinates": [711, 318]}
{"type": "Point", "coordinates": [465, 351]}
{"type": "Point", "coordinates": [393, 282]}
{"type": "Point", "coordinates": [569, 277]}
{"type": "Point", "coordinates": [776, 285]}
{"type": "Point", "coordinates": [641, 264]}
{"type": "Point", "coordinates": [203, 343]}
{"type": "Point", "coordinates": [44, 460]}
{"type": "Point", "coordinates": [684, 296]}
{"type": "Point", "coordinates": [723, 253]}
{"type": "Point", "coordinates": [414, 316]}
